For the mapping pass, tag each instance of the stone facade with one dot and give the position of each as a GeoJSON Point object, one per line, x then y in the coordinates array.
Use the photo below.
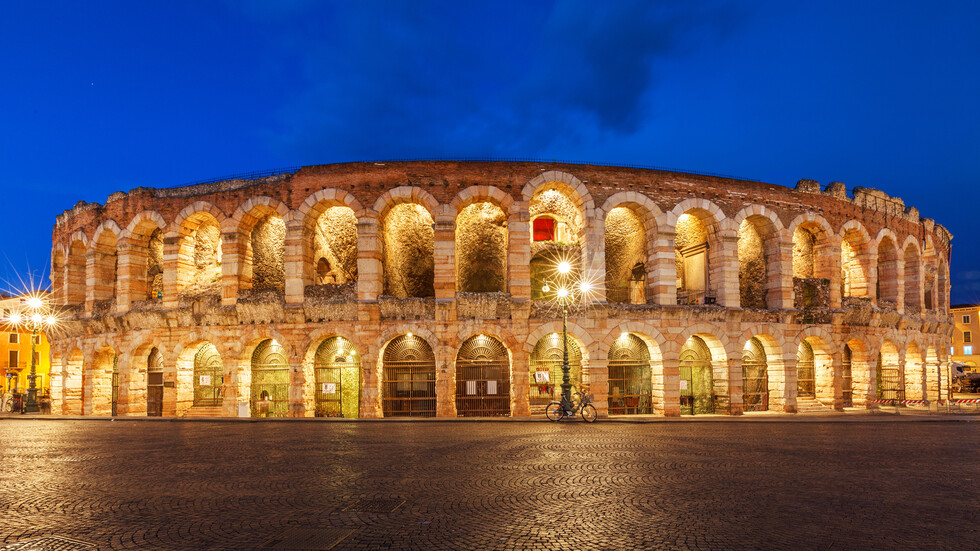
{"type": "Point", "coordinates": [442, 251]}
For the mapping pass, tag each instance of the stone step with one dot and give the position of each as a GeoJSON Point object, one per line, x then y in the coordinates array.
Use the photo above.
{"type": "Point", "coordinates": [811, 405]}
{"type": "Point", "coordinates": [204, 411]}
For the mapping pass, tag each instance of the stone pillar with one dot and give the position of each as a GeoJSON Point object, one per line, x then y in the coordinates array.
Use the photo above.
{"type": "Point", "coordinates": [780, 271]}
{"type": "Point", "coordinates": [790, 385]}
{"type": "Point", "coordinates": [670, 389]}
{"type": "Point", "coordinates": [293, 262]}
{"type": "Point", "coordinates": [445, 382]}
{"type": "Point", "coordinates": [662, 284]}
{"type": "Point", "coordinates": [736, 386]}
{"type": "Point", "coordinates": [594, 262]}
{"type": "Point", "coordinates": [723, 269]}
{"type": "Point", "coordinates": [599, 384]}
{"type": "Point", "coordinates": [128, 273]}
{"type": "Point", "coordinates": [91, 279]}
{"type": "Point", "coordinates": [900, 285]}
{"type": "Point", "coordinates": [370, 271]}
{"type": "Point", "coordinates": [171, 269]}
{"type": "Point", "coordinates": [444, 254]}
{"type": "Point", "coordinates": [832, 256]}
{"type": "Point", "coordinates": [519, 252]}
{"type": "Point", "coordinates": [297, 386]}
{"type": "Point", "coordinates": [370, 384]}
{"type": "Point", "coordinates": [126, 402]}
{"type": "Point", "coordinates": [233, 247]}
{"type": "Point", "coordinates": [520, 401]}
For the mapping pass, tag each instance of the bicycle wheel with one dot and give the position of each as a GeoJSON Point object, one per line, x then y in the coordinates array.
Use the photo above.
{"type": "Point", "coordinates": [554, 411]}
{"type": "Point", "coordinates": [589, 413]}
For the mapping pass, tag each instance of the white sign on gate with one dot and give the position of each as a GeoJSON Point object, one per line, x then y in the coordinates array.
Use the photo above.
{"type": "Point", "coordinates": [683, 384]}
{"type": "Point", "coordinates": [470, 388]}
{"type": "Point", "coordinates": [491, 387]}
{"type": "Point", "coordinates": [205, 380]}
{"type": "Point", "coordinates": [542, 376]}
{"type": "Point", "coordinates": [329, 388]}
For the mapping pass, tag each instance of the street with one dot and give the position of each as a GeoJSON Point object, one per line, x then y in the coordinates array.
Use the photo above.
{"type": "Point", "coordinates": [872, 483]}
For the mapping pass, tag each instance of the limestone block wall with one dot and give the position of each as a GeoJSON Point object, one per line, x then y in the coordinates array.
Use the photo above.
{"type": "Point", "coordinates": [443, 250]}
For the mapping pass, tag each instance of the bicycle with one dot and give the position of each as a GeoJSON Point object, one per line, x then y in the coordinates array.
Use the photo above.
{"type": "Point", "coordinates": [556, 411]}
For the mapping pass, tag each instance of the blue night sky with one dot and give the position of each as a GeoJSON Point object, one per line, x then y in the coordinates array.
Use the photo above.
{"type": "Point", "coordinates": [100, 97]}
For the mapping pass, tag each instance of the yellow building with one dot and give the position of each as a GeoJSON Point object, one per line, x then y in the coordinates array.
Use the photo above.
{"type": "Point", "coordinates": [967, 319]}
{"type": "Point", "coordinates": [15, 353]}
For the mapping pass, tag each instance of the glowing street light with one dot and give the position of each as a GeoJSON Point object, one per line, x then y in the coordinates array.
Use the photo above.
{"type": "Point", "coordinates": [37, 316]}
{"type": "Point", "coordinates": [565, 292]}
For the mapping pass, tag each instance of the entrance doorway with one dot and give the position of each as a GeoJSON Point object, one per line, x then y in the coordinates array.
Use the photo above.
{"type": "Point", "coordinates": [337, 371]}
{"type": "Point", "coordinates": [755, 377]}
{"type": "Point", "coordinates": [409, 387]}
{"type": "Point", "coordinates": [154, 384]}
{"type": "Point", "coordinates": [630, 376]}
{"type": "Point", "coordinates": [697, 394]}
{"type": "Point", "coordinates": [270, 380]}
{"type": "Point", "coordinates": [482, 378]}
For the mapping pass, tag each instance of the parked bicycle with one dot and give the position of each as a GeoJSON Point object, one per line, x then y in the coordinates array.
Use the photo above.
{"type": "Point", "coordinates": [556, 411]}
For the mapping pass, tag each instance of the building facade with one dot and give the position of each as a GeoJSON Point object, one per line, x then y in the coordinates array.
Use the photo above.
{"type": "Point", "coordinates": [965, 319]}
{"type": "Point", "coordinates": [428, 288]}
{"type": "Point", "coordinates": [15, 354]}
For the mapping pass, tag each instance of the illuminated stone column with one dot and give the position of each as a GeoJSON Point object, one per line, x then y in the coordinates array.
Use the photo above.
{"type": "Point", "coordinates": [723, 269]}
{"type": "Point", "coordinates": [831, 254]}
{"type": "Point", "coordinates": [130, 270]}
{"type": "Point", "coordinates": [669, 394]}
{"type": "Point", "coordinates": [519, 251]}
{"type": "Point", "coordinates": [370, 383]}
{"type": "Point", "coordinates": [445, 381]}
{"type": "Point", "coordinates": [293, 261]}
{"type": "Point", "coordinates": [91, 279]}
{"type": "Point", "coordinates": [780, 271]}
{"type": "Point", "coordinates": [444, 253]}
{"type": "Point", "coordinates": [171, 267]}
{"type": "Point", "coordinates": [369, 267]}
{"type": "Point", "coordinates": [520, 381]}
{"type": "Point", "coordinates": [663, 281]}
{"type": "Point", "coordinates": [233, 249]}
{"type": "Point", "coordinates": [787, 383]}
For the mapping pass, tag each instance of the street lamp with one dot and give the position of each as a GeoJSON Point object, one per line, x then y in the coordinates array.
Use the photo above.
{"type": "Point", "coordinates": [565, 293]}
{"type": "Point", "coordinates": [35, 316]}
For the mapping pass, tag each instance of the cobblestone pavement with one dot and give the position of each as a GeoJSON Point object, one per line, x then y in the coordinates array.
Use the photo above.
{"type": "Point", "coordinates": [872, 484]}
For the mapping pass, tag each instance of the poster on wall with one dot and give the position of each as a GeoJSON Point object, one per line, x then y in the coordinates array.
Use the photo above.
{"type": "Point", "coordinates": [470, 388]}
{"type": "Point", "coordinates": [329, 388]}
{"type": "Point", "coordinates": [683, 384]}
{"type": "Point", "coordinates": [542, 377]}
{"type": "Point", "coordinates": [205, 380]}
{"type": "Point", "coordinates": [491, 387]}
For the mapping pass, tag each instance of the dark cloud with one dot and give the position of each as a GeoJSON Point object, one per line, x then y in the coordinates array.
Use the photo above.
{"type": "Point", "coordinates": [480, 83]}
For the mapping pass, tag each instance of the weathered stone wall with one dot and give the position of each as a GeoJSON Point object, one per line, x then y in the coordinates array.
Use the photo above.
{"type": "Point", "coordinates": [751, 267]}
{"type": "Point", "coordinates": [154, 265]}
{"type": "Point", "coordinates": [689, 232]}
{"type": "Point", "coordinates": [481, 249]}
{"type": "Point", "coordinates": [625, 247]}
{"type": "Point", "coordinates": [558, 205]}
{"type": "Point", "coordinates": [268, 252]}
{"type": "Point", "coordinates": [335, 242]}
{"type": "Point", "coordinates": [409, 241]}
{"type": "Point", "coordinates": [803, 249]}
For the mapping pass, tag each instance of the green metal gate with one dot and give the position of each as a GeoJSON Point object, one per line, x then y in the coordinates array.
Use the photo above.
{"type": "Point", "coordinates": [847, 394]}
{"type": "Point", "coordinates": [755, 377]}
{"type": "Point", "coordinates": [409, 387]}
{"type": "Point", "coordinates": [154, 384]}
{"type": "Point", "coordinates": [545, 367]}
{"type": "Point", "coordinates": [337, 371]}
{"type": "Point", "coordinates": [806, 372]}
{"type": "Point", "coordinates": [889, 380]}
{"type": "Point", "coordinates": [482, 378]}
{"type": "Point", "coordinates": [208, 376]}
{"type": "Point", "coordinates": [630, 376]}
{"type": "Point", "coordinates": [115, 384]}
{"type": "Point", "coordinates": [270, 380]}
{"type": "Point", "coordinates": [697, 393]}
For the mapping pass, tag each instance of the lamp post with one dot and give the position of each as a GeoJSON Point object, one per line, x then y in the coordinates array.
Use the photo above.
{"type": "Point", "coordinates": [34, 317]}
{"type": "Point", "coordinates": [564, 294]}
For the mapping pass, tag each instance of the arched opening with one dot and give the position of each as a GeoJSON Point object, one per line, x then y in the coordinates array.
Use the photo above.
{"type": "Point", "coordinates": [816, 351]}
{"type": "Point", "coordinates": [913, 280]}
{"type": "Point", "coordinates": [481, 249]}
{"type": "Point", "coordinates": [755, 376]}
{"type": "Point", "coordinates": [812, 267]}
{"type": "Point", "coordinates": [76, 273]}
{"type": "Point", "coordinates": [806, 371]}
{"type": "Point", "coordinates": [208, 376]}
{"type": "Point", "coordinates": [757, 247]}
{"type": "Point", "coordinates": [694, 266]}
{"type": "Point", "coordinates": [854, 274]}
{"type": "Point", "coordinates": [544, 270]}
{"type": "Point", "coordinates": [696, 378]}
{"type": "Point", "coordinates": [264, 267]}
{"type": "Point", "coordinates": [154, 383]}
{"type": "Point", "coordinates": [630, 376]}
{"type": "Point", "coordinates": [886, 288]}
{"type": "Point", "coordinates": [199, 256]}
{"type": "Point", "coordinates": [154, 266]}
{"type": "Point", "coordinates": [337, 374]}
{"type": "Point", "coordinates": [409, 242]}
{"type": "Point", "coordinates": [942, 287]}
{"type": "Point", "coordinates": [482, 378]}
{"type": "Point", "coordinates": [859, 372]}
{"type": "Point", "coordinates": [408, 386]}
{"type": "Point", "coordinates": [626, 257]}
{"type": "Point", "coordinates": [889, 384]}
{"type": "Point", "coordinates": [104, 250]}
{"type": "Point", "coordinates": [545, 370]}
{"type": "Point", "coordinates": [914, 374]}
{"type": "Point", "coordinates": [555, 217]}
{"type": "Point", "coordinates": [270, 380]}
{"type": "Point", "coordinates": [100, 386]}
{"type": "Point", "coordinates": [335, 247]}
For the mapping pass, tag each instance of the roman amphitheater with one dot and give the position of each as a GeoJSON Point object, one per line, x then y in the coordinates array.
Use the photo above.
{"type": "Point", "coordinates": [429, 289]}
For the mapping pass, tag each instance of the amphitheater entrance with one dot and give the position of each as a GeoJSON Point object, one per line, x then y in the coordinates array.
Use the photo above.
{"type": "Point", "coordinates": [806, 372]}
{"type": "Point", "coordinates": [409, 383]}
{"type": "Point", "coordinates": [755, 377]}
{"type": "Point", "coordinates": [545, 366]}
{"type": "Point", "coordinates": [847, 381]}
{"type": "Point", "coordinates": [154, 384]}
{"type": "Point", "coordinates": [337, 372]}
{"type": "Point", "coordinates": [482, 378]}
{"type": "Point", "coordinates": [697, 395]}
{"type": "Point", "coordinates": [630, 376]}
{"type": "Point", "coordinates": [889, 375]}
{"type": "Point", "coordinates": [270, 380]}
{"type": "Point", "coordinates": [207, 376]}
